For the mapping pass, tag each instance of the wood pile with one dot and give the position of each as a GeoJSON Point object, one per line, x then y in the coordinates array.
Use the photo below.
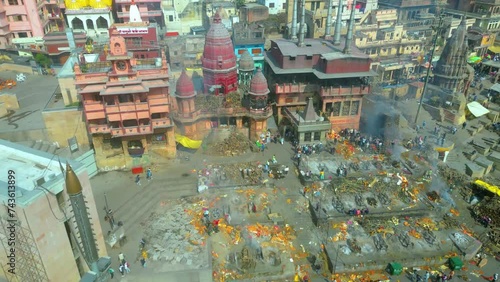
{"type": "Point", "coordinates": [236, 144]}
{"type": "Point", "coordinates": [489, 207]}
{"type": "Point", "coordinates": [7, 84]}
{"type": "Point", "coordinates": [251, 176]}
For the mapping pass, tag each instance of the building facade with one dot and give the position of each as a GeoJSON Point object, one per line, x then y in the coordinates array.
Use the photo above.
{"type": "Point", "coordinates": [28, 21]}
{"type": "Point", "coordinates": [275, 6]}
{"type": "Point", "coordinates": [44, 216]}
{"type": "Point", "coordinates": [90, 16]}
{"type": "Point", "coordinates": [150, 10]}
{"type": "Point", "coordinates": [249, 37]}
{"type": "Point", "coordinates": [126, 104]}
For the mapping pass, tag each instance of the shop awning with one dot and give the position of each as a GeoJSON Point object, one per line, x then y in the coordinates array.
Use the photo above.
{"type": "Point", "coordinates": [477, 109]}
{"type": "Point", "coordinates": [495, 87]}
{"type": "Point", "coordinates": [494, 49]}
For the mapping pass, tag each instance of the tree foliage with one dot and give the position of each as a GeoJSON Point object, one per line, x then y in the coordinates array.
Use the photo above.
{"type": "Point", "coordinates": [239, 3]}
{"type": "Point", "coordinates": [43, 60]}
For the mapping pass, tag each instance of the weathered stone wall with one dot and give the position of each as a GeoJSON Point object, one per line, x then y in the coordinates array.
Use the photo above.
{"type": "Point", "coordinates": [63, 124]}
{"type": "Point", "coordinates": [17, 68]}
{"type": "Point", "coordinates": [68, 90]}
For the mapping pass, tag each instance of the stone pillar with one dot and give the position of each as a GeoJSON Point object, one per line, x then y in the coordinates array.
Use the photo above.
{"type": "Point", "coordinates": [170, 137]}
{"type": "Point", "coordinates": [144, 143]}
{"type": "Point", "coordinates": [125, 148]}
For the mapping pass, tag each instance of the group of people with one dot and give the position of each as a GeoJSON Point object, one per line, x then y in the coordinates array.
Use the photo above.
{"type": "Point", "coordinates": [149, 177]}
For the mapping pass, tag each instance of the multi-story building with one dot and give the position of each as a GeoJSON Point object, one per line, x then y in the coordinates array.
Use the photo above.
{"type": "Point", "coordinates": [249, 37]}
{"type": "Point", "coordinates": [150, 10]}
{"type": "Point", "coordinates": [275, 6]}
{"type": "Point", "coordinates": [393, 49]}
{"type": "Point", "coordinates": [253, 12]}
{"type": "Point", "coordinates": [317, 13]}
{"type": "Point", "coordinates": [26, 22]}
{"type": "Point", "coordinates": [90, 16]}
{"type": "Point", "coordinates": [416, 16]}
{"type": "Point", "coordinates": [185, 51]}
{"type": "Point", "coordinates": [335, 76]}
{"type": "Point", "coordinates": [195, 117]}
{"type": "Point", "coordinates": [57, 45]}
{"type": "Point", "coordinates": [126, 103]}
{"type": "Point", "coordinates": [45, 230]}
{"type": "Point", "coordinates": [140, 37]}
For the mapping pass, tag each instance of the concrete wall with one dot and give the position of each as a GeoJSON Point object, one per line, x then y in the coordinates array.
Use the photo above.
{"type": "Point", "coordinates": [63, 124]}
{"type": "Point", "coordinates": [10, 101]}
{"type": "Point", "coordinates": [16, 68]}
{"type": "Point", "coordinates": [25, 135]}
{"type": "Point", "coordinates": [68, 90]}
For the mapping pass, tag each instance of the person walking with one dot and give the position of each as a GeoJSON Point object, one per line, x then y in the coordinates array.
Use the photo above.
{"type": "Point", "coordinates": [427, 275]}
{"type": "Point", "coordinates": [495, 277]}
{"type": "Point", "coordinates": [111, 272]}
{"type": "Point", "coordinates": [144, 258]}
{"type": "Point", "coordinates": [121, 258]}
{"type": "Point", "coordinates": [138, 179]}
{"type": "Point", "coordinates": [149, 174]}
{"type": "Point", "coordinates": [126, 265]}
{"type": "Point", "coordinates": [121, 268]}
{"type": "Point", "coordinates": [464, 125]}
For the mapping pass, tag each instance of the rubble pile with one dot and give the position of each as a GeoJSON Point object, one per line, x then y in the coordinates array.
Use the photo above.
{"type": "Point", "coordinates": [235, 144]}
{"type": "Point", "coordinates": [172, 239]}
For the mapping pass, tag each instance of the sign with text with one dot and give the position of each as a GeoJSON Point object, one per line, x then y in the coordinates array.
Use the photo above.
{"type": "Point", "coordinates": [133, 30]}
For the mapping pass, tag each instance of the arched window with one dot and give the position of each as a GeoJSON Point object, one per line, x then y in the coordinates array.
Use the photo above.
{"type": "Point", "coordinates": [90, 24]}
{"type": "Point", "coordinates": [101, 22]}
{"type": "Point", "coordinates": [76, 23]}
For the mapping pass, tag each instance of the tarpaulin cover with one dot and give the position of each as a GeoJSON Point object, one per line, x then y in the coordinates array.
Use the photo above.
{"type": "Point", "coordinates": [477, 109]}
{"type": "Point", "coordinates": [473, 60]}
{"type": "Point", "coordinates": [186, 142]}
{"type": "Point", "coordinates": [495, 87]}
{"type": "Point", "coordinates": [491, 188]}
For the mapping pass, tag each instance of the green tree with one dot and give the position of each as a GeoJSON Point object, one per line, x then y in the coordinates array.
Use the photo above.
{"type": "Point", "coordinates": [43, 60]}
{"type": "Point", "coordinates": [239, 3]}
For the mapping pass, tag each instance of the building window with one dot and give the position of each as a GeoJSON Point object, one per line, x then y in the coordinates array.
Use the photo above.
{"type": "Point", "coordinates": [317, 136]}
{"type": "Point", "coordinates": [292, 58]}
{"type": "Point", "coordinates": [13, 2]}
{"type": "Point", "coordinates": [284, 6]}
{"type": "Point", "coordinates": [307, 137]}
{"type": "Point", "coordinates": [241, 51]}
{"type": "Point", "coordinates": [288, 100]}
{"type": "Point", "coordinates": [345, 108]}
{"type": "Point", "coordinates": [256, 51]}
{"type": "Point", "coordinates": [17, 18]}
{"type": "Point", "coordinates": [336, 109]}
{"type": "Point", "coordinates": [271, 5]}
{"type": "Point", "coordinates": [328, 108]}
{"type": "Point", "coordinates": [170, 18]}
{"type": "Point", "coordinates": [125, 98]}
{"type": "Point", "coordinates": [22, 35]}
{"type": "Point", "coordinates": [110, 101]}
{"type": "Point", "coordinates": [309, 57]}
{"type": "Point", "coordinates": [354, 108]}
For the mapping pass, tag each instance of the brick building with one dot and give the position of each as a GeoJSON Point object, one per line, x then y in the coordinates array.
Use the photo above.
{"type": "Point", "coordinates": [335, 76]}
{"type": "Point", "coordinates": [221, 104]}
{"type": "Point", "coordinates": [126, 103]}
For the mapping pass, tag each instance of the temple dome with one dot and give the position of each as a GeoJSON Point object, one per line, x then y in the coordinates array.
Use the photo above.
{"type": "Point", "coordinates": [258, 84]}
{"type": "Point", "coordinates": [185, 86]}
{"type": "Point", "coordinates": [246, 62]}
{"type": "Point", "coordinates": [218, 53]}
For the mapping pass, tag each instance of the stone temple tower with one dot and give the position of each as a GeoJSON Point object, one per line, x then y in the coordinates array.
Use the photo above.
{"type": "Point", "coordinates": [451, 69]}
{"type": "Point", "coordinates": [218, 60]}
{"type": "Point", "coordinates": [185, 95]}
{"type": "Point", "coordinates": [453, 75]}
{"type": "Point", "coordinates": [246, 68]}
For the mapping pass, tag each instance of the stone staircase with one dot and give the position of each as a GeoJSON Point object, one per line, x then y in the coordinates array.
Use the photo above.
{"type": "Point", "coordinates": [44, 146]}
